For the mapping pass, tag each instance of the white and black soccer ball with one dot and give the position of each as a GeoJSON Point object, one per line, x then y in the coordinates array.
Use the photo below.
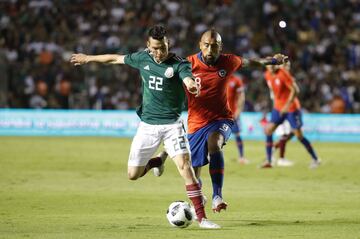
{"type": "Point", "coordinates": [179, 214]}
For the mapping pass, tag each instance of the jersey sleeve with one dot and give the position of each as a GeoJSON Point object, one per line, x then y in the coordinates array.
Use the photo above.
{"type": "Point", "coordinates": [184, 69]}
{"type": "Point", "coordinates": [134, 59]}
{"type": "Point", "coordinates": [235, 62]}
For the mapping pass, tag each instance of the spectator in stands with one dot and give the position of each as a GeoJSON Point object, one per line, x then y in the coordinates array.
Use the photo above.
{"type": "Point", "coordinates": [36, 38]}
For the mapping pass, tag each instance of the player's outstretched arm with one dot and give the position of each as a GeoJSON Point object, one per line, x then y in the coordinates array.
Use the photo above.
{"type": "Point", "coordinates": [191, 86]}
{"type": "Point", "coordinates": [80, 59]}
{"type": "Point", "coordinates": [277, 59]}
{"type": "Point", "coordinates": [240, 104]}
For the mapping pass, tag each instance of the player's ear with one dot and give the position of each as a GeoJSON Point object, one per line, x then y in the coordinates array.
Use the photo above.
{"type": "Point", "coordinates": [148, 43]}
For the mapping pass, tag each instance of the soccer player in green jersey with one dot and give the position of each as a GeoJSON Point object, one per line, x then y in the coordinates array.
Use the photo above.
{"type": "Point", "coordinates": [163, 75]}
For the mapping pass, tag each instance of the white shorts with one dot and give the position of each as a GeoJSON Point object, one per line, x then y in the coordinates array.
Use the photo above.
{"type": "Point", "coordinates": [283, 129]}
{"type": "Point", "coordinates": [149, 137]}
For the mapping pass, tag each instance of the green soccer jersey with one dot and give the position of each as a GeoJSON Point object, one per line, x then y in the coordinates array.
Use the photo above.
{"type": "Point", "coordinates": [162, 87]}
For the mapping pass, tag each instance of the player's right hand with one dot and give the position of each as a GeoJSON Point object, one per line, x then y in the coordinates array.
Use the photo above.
{"type": "Point", "coordinates": [78, 59]}
{"type": "Point", "coordinates": [191, 86]}
{"type": "Point", "coordinates": [194, 89]}
{"type": "Point", "coordinates": [281, 59]}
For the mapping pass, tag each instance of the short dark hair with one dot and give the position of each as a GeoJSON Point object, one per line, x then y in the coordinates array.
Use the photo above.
{"type": "Point", "coordinates": [157, 32]}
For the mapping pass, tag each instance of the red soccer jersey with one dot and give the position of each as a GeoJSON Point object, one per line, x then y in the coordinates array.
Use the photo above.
{"type": "Point", "coordinates": [234, 88]}
{"type": "Point", "coordinates": [280, 83]}
{"type": "Point", "coordinates": [211, 104]}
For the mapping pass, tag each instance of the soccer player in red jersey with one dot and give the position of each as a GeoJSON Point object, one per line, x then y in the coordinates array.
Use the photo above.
{"type": "Point", "coordinates": [209, 117]}
{"type": "Point", "coordinates": [286, 107]}
{"type": "Point", "coordinates": [286, 134]}
{"type": "Point", "coordinates": [236, 101]}
{"type": "Point", "coordinates": [164, 77]}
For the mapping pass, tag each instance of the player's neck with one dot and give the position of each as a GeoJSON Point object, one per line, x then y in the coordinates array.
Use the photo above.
{"type": "Point", "coordinates": [167, 57]}
{"type": "Point", "coordinates": [208, 64]}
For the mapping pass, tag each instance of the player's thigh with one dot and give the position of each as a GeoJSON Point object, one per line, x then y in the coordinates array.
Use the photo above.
{"type": "Point", "coordinates": [144, 145]}
{"type": "Point", "coordinates": [295, 120]}
{"type": "Point", "coordinates": [276, 117]}
{"type": "Point", "coordinates": [175, 140]}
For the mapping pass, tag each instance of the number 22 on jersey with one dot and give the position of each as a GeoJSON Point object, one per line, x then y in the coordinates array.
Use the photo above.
{"type": "Point", "coordinates": [156, 83]}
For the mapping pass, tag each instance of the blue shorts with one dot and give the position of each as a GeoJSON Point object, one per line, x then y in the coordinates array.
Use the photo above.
{"type": "Point", "coordinates": [198, 140]}
{"type": "Point", "coordinates": [294, 118]}
{"type": "Point", "coordinates": [237, 126]}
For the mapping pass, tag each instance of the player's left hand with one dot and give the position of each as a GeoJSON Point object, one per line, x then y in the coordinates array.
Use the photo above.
{"type": "Point", "coordinates": [281, 59]}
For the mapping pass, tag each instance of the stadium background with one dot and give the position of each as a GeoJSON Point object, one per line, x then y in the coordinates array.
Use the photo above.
{"type": "Point", "coordinates": [77, 187]}
{"type": "Point", "coordinates": [37, 37]}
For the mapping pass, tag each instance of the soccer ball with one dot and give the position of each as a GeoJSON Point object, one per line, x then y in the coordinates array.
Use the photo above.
{"type": "Point", "coordinates": [179, 214]}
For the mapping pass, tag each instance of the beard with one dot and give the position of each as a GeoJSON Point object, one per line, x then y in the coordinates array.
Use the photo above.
{"type": "Point", "coordinates": [210, 60]}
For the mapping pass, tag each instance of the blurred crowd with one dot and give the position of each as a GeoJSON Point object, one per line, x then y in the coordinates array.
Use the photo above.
{"type": "Point", "coordinates": [322, 39]}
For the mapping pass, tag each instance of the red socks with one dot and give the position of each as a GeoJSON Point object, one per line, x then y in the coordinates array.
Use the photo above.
{"type": "Point", "coordinates": [195, 195]}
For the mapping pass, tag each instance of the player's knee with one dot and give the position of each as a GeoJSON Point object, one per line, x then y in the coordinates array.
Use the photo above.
{"type": "Point", "coordinates": [132, 175]}
{"type": "Point", "coordinates": [197, 171]}
{"type": "Point", "coordinates": [184, 166]}
{"type": "Point", "coordinates": [298, 134]}
{"type": "Point", "coordinates": [269, 129]}
{"type": "Point", "coordinates": [215, 143]}
{"type": "Point", "coordinates": [183, 162]}
{"type": "Point", "coordinates": [214, 149]}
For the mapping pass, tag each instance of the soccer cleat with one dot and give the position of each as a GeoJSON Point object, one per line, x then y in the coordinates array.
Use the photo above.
{"type": "Point", "coordinates": [206, 223]}
{"type": "Point", "coordinates": [243, 161]}
{"type": "Point", "coordinates": [315, 164]}
{"type": "Point", "coordinates": [158, 171]}
{"type": "Point", "coordinates": [218, 204]}
{"type": "Point", "coordinates": [266, 164]}
{"type": "Point", "coordinates": [282, 162]}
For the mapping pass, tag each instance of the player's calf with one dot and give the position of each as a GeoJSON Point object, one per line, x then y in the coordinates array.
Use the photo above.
{"type": "Point", "coordinates": [136, 172]}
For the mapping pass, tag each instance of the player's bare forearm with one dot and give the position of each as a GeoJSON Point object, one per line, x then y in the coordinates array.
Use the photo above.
{"type": "Point", "coordinates": [241, 102]}
{"type": "Point", "coordinates": [277, 59]}
{"type": "Point", "coordinates": [108, 58]}
{"type": "Point", "coordinates": [80, 59]}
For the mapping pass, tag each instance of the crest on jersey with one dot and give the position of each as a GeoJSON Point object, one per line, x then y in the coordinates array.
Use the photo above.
{"type": "Point", "coordinates": [169, 72]}
{"type": "Point", "coordinates": [222, 73]}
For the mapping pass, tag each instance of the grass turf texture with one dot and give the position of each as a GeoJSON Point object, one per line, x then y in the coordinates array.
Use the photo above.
{"type": "Point", "coordinates": [78, 188]}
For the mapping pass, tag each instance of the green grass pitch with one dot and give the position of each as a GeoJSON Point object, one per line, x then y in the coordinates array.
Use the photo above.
{"type": "Point", "coordinates": [78, 188]}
